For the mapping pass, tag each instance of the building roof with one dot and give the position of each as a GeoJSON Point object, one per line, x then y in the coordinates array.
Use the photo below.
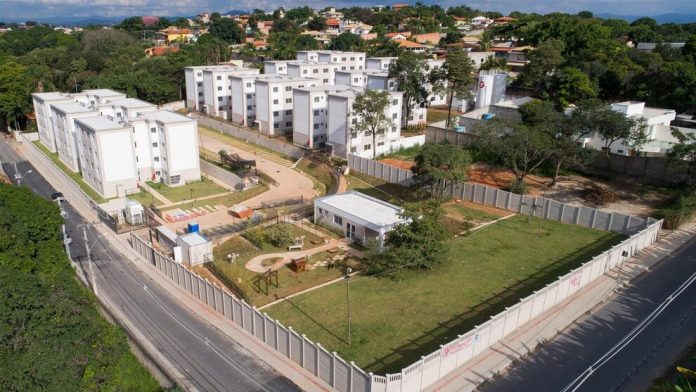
{"type": "Point", "coordinates": [333, 22]}
{"type": "Point", "coordinates": [51, 96]}
{"type": "Point", "coordinates": [514, 103]}
{"type": "Point", "coordinates": [280, 78]}
{"type": "Point", "coordinates": [103, 92]}
{"type": "Point", "coordinates": [193, 239]}
{"type": "Point", "coordinates": [432, 38]}
{"type": "Point", "coordinates": [327, 88]}
{"type": "Point", "coordinates": [167, 232]}
{"type": "Point", "coordinates": [72, 107]}
{"type": "Point", "coordinates": [409, 44]}
{"type": "Point", "coordinates": [165, 116]}
{"type": "Point", "coordinates": [653, 45]}
{"type": "Point", "coordinates": [100, 123]}
{"type": "Point", "coordinates": [365, 210]}
{"type": "Point", "coordinates": [130, 103]}
{"type": "Point", "coordinates": [402, 33]}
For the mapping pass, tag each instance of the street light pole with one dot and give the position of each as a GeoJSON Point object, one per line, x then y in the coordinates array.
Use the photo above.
{"type": "Point", "coordinates": [346, 278]}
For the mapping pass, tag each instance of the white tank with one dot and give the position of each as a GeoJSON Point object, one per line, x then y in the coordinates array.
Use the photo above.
{"type": "Point", "coordinates": [491, 87]}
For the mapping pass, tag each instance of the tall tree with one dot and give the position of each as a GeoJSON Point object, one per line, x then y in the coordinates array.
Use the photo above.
{"type": "Point", "coordinates": [317, 23]}
{"type": "Point", "coordinates": [15, 88]}
{"type": "Point", "coordinates": [455, 78]}
{"type": "Point", "coordinates": [410, 76]}
{"type": "Point", "coordinates": [685, 150]}
{"type": "Point", "coordinates": [439, 165]}
{"type": "Point", "coordinates": [369, 109]}
{"type": "Point", "coordinates": [543, 62]}
{"type": "Point", "coordinates": [227, 30]}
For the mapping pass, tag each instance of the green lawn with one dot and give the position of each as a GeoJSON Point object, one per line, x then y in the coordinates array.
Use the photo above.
{"type": "Point", "coordinates": [380, 189]}
{"type": "Point", "coordinates": [145, 198]}
{"type": "Point", "coordinates": [75, 176]}
{"type": "Point", "coordinates": [437, 116]}
{"type": "Point", "coordinates": [397, 320]}
{"type": "Point", "coordinates": [227, 200]}
{"type": "Point", "coordinates": [323, 180]}
{"type": "Point", "coordinates": [474, 214]}
{"type": "Point", "coordinates": [204, 187]}
{"type": "Point", "coordinates": [289, 282]}
{"type": "Point", "coordinates": [407, 154]}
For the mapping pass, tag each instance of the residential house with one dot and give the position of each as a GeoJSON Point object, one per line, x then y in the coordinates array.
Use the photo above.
{"type": "Point", "coordinates": [175, 34]}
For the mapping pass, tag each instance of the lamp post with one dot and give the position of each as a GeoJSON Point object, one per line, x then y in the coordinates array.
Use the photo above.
{"type": "Point", "coordinates": [89, 256]}
{"type": "Point", "coordinates": [346, 278]}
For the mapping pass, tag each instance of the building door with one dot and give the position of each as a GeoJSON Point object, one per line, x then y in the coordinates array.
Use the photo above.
{"type": "Point", "coordinates": [350, 231]}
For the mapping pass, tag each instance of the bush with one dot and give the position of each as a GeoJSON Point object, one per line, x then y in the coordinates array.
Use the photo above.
{"type": "Point", "coordinates": [255, 236]}
{"type": "Point", "coordinates": [599, 195]}
{"type": "Point", "coordinates": [681, 210]}
{"type": "Point", "coordinates": [518, 187]}
{"type": "Point", "coordinates": [279, 236]}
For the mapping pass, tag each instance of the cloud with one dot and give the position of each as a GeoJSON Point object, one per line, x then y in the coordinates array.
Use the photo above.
{"type": "Point", "coordinates": [43, 9]}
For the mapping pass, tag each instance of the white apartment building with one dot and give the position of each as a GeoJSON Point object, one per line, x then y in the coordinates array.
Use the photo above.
{"type": "Point", "coordinates": [307, 55]}
{"type": "Point", "coordinates": [165, 145]}
{"type": "Point", "coordinates": [380, 80]}
{"type": "Point", "coordinates": [352, 78]}
{"type": "Point", "coordinates": [217, 90]}
{"type": "Point", "coordinates": [106, 160]}
{"type": "Point", "coordinates": [42, 111]}
{"type": "Point", "coordinates": [307, 69]}
{"type": "Point", "coordinates": [310, 114]}
{"type": "Point", "coordinates": [194, 84]}
{"type": "Point", "coordinates": [274, 102]}
{"type": "Point", "coordinates": [277, 66]}
{"type": "Point", "coordinates": [657, 123]}
{"type": "Point", "coordinates": [381, 63]}
{"type": "Point", "coordinates": [346, 61]}
{"type": "Point", "coordinates": [99, 96]}
{"type": "Point", "coordinates": [341, 134]}
{"type": "Point", "coordinates": [124, 108]}
{"type": "Point", "coordinates": [66, 138]}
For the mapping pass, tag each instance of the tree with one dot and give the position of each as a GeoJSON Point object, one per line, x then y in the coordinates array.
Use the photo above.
{"type": "Point", "coordinates": [306, 42]}
{"type": "Point", "coordinates": [685, 150]}
{"type": "Point", "coordinates": [317, 23]}
{"type": "Point", "coordinates": [521, 148]}
{"type": "Point", "coordinates": [570, 85]}
{"type": "Point", "coordinates": [409, 74]}
{"type": "Point", "coordinates": [15, 90]}
{"type": "Point", "coordinates": [543, 62]}
{"type": "Point", "coordinates": [347, 42]}
{"type": "Point", "coordinates": [417, 244]}
{"type": "Point", "coordinates": [491, 62]}
{"type": "Point", "coordinates": [227, 30]}
{"type": "Point", "coordinates": [439, 165]}
{"type": "Point", "coordinates": [455, 78]}
{"type": "Point", "coordinates": [369, 109]}
{"type": "Point", "coordinates": [596, 117]}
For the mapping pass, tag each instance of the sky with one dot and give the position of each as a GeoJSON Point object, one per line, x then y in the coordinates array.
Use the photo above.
{"type": "Point", "coordinates": [20, 10]}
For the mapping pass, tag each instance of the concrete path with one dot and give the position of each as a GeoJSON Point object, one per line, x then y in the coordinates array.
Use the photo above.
{"type": "Point", "coordinates": [291, 184]}
{"type": "Point", "coordinates": [255, 263]}
{"type": "Point", "coordinates": [503, 354]}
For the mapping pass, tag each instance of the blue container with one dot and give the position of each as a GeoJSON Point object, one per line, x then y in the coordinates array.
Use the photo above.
{"type": "Point", "coordinates": [193, 227]}
{"type": "Point", "coordinates": [488, 116]}
{"type": "Point", "coordinates": [459, 129]}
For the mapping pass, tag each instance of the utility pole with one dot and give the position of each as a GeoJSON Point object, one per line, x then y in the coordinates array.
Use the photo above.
{"type": "Point", "coordinates": [346, 278]}
{"type": "Point", "coordinates": [89, 260]}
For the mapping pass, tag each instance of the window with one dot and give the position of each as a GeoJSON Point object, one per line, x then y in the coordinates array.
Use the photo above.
{"type": "Point", "coordinates": [219, 77]}
{"type": "Point", "coordinates": [154, 144]}
{"type": "Point", "coordinates": [135, 144]}
{"type": "Point", "coordinates": [326, 80]}
{"type": "Point", "coordinates": [316, 112]}
{"type": "Point", "coordinates": [288, 100]}
{"type": "Point", "coordinates": [219, 99]}
{"type": "Point", "coordinates": [219, 88]}
{"type": "Point", "coordinates": [153, 130]}
{"type": "Point", "coordinates": [353, 135]}
{"type": "Point", "coordinates": [200, 94]}
{"type": "Point", "coordinates": [288, 112]}
{"type": "Point", "coordinates": [380, 144]}
{"type": "Point", "coordinates": [157, 172]}
{"type": "Point", "coordinates": [326, 70]}
{"type": "Point", "coordinates": [248, 84]}
{"type": "Point", "coordinates": [315, 71]}
{"type": "Point", "coordinates": [200, 84]}
{"type": "Point", "coordinates": [352, 67]}
{"type": "Point", "coordinates": [276, 114]}
{"type": "Point", "coordinates": [354, 121]}
{"type": "Point", "coordinates": [248, 96]}
{"type": "Point", "coordinates": [275, 101]}
{"type": "Point", "coordinates": [288, 88]}
{"type": "Point", "coordinates": [393, 128]}
{"type": "Point", "coordinates": [304, 72]}
{"type": "Point", "coordinates": [199, 74]}
{"type": "Point", "coordinates": [276, 125]}
{"type": "Point", "coordinates": [221, 108]}
{"type": "Point", "coordinates": [249, 107]}
{"type": "Point", "coordinates": [394, 116]}
{"type": "Point", "coordinates": [288, 124]}
{"type": "Point", "coordinates": [353, 149]}
{"type": "Point", "coordinates": [316, 99]}
{"type": "Point", "coordinates": [275, 89]}
{"type": "Point", "coordinates": [352, 59]}
{"type": "Point", "coordinates": [355, 80]}
{"type": "Point", "coordinates": [343, 68]}
{"type": "Point", "coordinates": [343, 59]}
{"type": "Point", "coordinates": [338, 220]}
{"type": "Point", "coordinates": [395, 102]}
{"type": "Point", "coordinates": [316, 126]}
{"type": "Point", "coordinates": [367, 147]}
{"type": "Point", "coordinates": [156, 159]}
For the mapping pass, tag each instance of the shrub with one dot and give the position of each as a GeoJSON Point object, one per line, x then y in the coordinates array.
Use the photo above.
{"type": "Point", "coordinates": [599, 195]}
{"type": "Point", "coordinates": [518, 187]}
{"type": "Point", "coordinates": [278, 235]}
{"type": "Point", "coordinates": [681, 210]}
{"type": "Point", "coordinates": [255, 236]}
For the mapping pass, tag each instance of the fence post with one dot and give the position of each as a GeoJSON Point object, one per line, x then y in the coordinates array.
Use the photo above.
{"type": "Point", "coordinates": [302, 353]}
{"type": "Point", "coordinates": [594, 216]}
{"type": "Point", "coordinates": [562, 211]}
{"type": "Point", "coordinates": [578, 210]}
{"type": "Point", "coordinates": [611, 220]}
{"type": "Point", "coordinates": [333, 368]}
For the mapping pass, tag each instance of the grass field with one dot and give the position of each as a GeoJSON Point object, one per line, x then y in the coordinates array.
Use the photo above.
{"type": "Point", "coordinates": [204, 187]}
{"type": "Point", "coordinates": [227, 200]}
{"type": "Point", "coordinates": [397, 320]}
{"type": "Point", "coordinates": [380, 189]}
{"type": "Point", "coordinates": [145, 198]}
{"type": "Point", "coordinates": [437, 116]}
{"type": "Point", "coordinates": [407, 154]}
{"type": "Point", "coordinates": [75, 176]}
{"type": "Point", "coordinates": [289, 282]}
{"type": "Point", "coordinates": [323, 180]}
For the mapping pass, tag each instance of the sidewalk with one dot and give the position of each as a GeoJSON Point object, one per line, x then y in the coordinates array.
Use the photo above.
{"type": "Point", "coordinates": [545, 327]}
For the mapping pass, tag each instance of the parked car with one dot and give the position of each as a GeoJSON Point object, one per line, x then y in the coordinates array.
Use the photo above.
{"type": "Point", "coordinates": [57, 196]}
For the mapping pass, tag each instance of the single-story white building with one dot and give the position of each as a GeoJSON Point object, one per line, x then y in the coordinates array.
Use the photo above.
{"type": "Point", "coordinates": [195, 249]}
{"type": "Point", "coordinates": [360, 217]}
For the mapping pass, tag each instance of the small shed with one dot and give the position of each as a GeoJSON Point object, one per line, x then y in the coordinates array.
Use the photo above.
{"type": "Point", "coordinates": [242, 212]}
{"type": "Point", "coordinates": [195, 249]}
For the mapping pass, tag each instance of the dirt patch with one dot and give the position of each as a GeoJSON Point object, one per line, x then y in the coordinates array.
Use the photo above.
{"type": "Point", "coordinates": [205, 273]}
{"type": "Point", "coordinates": [488, 210]}
{"type": "Point", "coordinates": [501, 178]}
{"type": "Point", "coordinates": [400, 163]}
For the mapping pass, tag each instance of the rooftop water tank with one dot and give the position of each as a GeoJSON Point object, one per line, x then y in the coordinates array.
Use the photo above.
{"type": "Point", "coordinates": [193, 227]}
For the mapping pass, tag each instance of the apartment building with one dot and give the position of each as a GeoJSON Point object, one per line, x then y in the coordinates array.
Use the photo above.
{"type": "Point", "coordinates": [308, 69]}
{"type": "Point", "coordinates": [380, 80]}
{"type": "Point", "coordinates": [106, 160]}
{"type": "Point", "coordinates": [165, 146]}
{"type": "Point", "coordinates": [217, 90]}
{"type": "Point", "coordinates": [310, 114]}
{"type": "Point", "coordinates": [352, 78]}
{"type": "Point", "coordinates": [345, 61]}
{"type": "Point", "coordinates": [99, 96]}
{"type": "Point", "coordinates": [44, 121]}
{"type": "Point", "coordinates": [194, 85]}
{"type": "Point", "coordinates": [276, 67]}
{"type": "Point", "coordinates": [66, 138]}
{"type": "Point", "coordinates": [124, 108]}
{"type": "Point", "coordinates": [380, 63]}
{"type": "Point", "coordinates": [342, 138]}
{"type": "Point", "coordinates": [274, 102]}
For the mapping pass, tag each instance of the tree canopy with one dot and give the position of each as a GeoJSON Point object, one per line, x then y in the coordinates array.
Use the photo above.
{"type": "Point", "coordinates": [439, 165]}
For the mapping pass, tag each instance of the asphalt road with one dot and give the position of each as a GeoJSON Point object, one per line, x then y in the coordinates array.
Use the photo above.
{"type": "Point", "coordinates": [620, 360]}
{"type": "Point", "coordinates": [207, 358]}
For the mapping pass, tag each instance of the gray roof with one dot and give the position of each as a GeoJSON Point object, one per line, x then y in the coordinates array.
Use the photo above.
{"type": "Point", "coordinates": [72, 107]}
{"type": "Point", "coordinates": [130, 103]}
{"type": "Point", "coordinates": [653, 45]}
{"type": "Point", "coordinates": [52, 96]}
{"type": "Point", "coordinates": [165, 116]}
{"type": "Point", "coordinates": [193, 239]}
{"type": "Point", "coordinates": [366, 210]}
{"type": "Point", "coordinates": [100, 123]}
{"type": "Point", "coordinates": [104, 92]}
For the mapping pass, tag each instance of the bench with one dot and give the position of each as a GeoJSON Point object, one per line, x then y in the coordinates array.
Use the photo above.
{"type": "Point", "coordinates": [294, 247]}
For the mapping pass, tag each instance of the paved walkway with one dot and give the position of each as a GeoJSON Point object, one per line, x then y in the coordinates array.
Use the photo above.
{"type": "Point", "coordinates": [255, 263]}
{"type": "Point", "coordinates": [501, 355]}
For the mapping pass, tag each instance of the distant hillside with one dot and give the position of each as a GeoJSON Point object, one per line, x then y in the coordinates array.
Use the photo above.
{"type": "Point", "coordinates": [665, 18]}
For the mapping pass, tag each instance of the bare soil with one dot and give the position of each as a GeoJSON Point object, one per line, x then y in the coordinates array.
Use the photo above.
{"type": "Point", "coordinates": [400, 163]}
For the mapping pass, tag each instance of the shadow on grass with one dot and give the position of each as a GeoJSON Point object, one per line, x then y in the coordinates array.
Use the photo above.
{"type": "Point", "coordinates": [448, 330]}
{"type": "Point", "coordinates": [312, 319]}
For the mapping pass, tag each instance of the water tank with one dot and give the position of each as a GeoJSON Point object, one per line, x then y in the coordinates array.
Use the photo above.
{"type": "Point", "coordinates": [134, 212]}
{"type": "Point", "coordinates": [491, 87]}
{"type": "Point", "coordinates": [459, 128]}
{"type": "Point", "coordinates": [193, 227]}
{"type": "Point", "coordinates": [488, 116]}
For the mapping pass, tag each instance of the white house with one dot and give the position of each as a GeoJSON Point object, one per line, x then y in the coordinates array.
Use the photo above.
{"type": "Point", "coordinates": [341, 134]}
{"type": "Point", "coordinates": [657, 122]}
{"type": "Point", "coordinates": [274, 105]}
{"type": "Point", "coordinates": [360, 217]}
